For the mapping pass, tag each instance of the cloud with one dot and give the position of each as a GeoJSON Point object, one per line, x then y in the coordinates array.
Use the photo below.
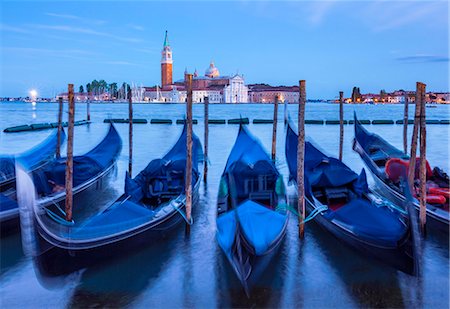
{"type": "Point", "coordinates": [147, 50]}
{"type": "Point", "coordinates": [66, 16]}
{"type": "Point", "coordinates": [136, 27]}
{"type": "Point", "coordinates": [8, 28]}
{"type": "Point", "coordinates": [75, 17]}
{"type": "Point", "coordinates": [319, 11]}
{"type": "Point", "coordinates": [422, 59]}
{"type": "Point", "coordinates": [88, 31]}
{"type": "Point", "coordinates": [385, 16]}
{"type": "Point", "coordinates": [120, 63]}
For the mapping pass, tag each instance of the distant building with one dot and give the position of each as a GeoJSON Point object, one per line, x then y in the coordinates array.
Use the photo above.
{"type": "Point", "coordinates": [83, 97]}
{"type": "Point", "coordinates": [219, 89]}
{"type": "Point", "coordinates": [264, 93]}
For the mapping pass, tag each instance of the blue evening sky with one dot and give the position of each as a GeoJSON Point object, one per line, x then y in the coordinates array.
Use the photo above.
{"type": "Point", "coordinates": [334, 45]}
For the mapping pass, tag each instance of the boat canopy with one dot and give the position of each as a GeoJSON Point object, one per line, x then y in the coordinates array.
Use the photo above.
{"type": "Point", "coordinates": [85, 167]}
{"type": "Point", "coordinates": [252, 218]}
{"type": "Point", "coordinates": [320, 169]}
{"type": "Point", "coordinates": [377, 224]}
{"type": "Point", "coordinates": [166, 172]}
{"type": "Point", "coordinates": [248, 160]}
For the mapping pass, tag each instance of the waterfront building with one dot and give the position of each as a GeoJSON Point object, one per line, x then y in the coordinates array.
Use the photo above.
{"type": "Point", "coordinates": [219, 89]}
{"type": "Point", "coordinates": [264, 93]}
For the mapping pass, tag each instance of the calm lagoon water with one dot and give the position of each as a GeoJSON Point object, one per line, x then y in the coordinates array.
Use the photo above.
{"type": "Point", "coordinates": [191, 272]}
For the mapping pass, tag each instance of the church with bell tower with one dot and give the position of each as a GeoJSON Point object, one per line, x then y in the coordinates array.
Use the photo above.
{"type": "Point", "coordinates": [166, 64]}
{"type": "Point", "coordinates": [218, 88]}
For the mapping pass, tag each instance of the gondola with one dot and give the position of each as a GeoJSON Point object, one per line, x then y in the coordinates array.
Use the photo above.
{"type": "Point", "coordinates": [386, 162]}
{"type": "Point", "coordinates": [33, 159]}
{"type": "Point", "coordinates": [251, 211]}
{"type": "Point", "coordinates": [152, 204]}
{"type": "Point", "coordinates": [347, 209]}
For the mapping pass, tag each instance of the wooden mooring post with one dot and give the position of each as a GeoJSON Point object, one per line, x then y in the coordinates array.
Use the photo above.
{"type": "Point", "coordinates": [419, 123]}
{"type": "Point", "coordinates": [413, 150]}
{"type": "Point", "coordinates": [341, 123]}
{"type": "Point", "coordinates": [58, 142]}
{"type": "Point", "coordinates": [188, 152]}
{"type": "Point", "coordinates": [423, 162]}
{"type": "Point", "coordinates": [301, 157]}
{"type": "Point", "coordinates": [274, 129]}
{"type": "Point", "coordinates": [405, 125]}
{"type": "Point", "coordinates": [69, 160]}
{"type": "Point", "coordinates": [286, 116]}
{"type": "Point", "coordinates": [130, 135]}
{"type": "Point", "coordinates": [88, 110]}
{"type": "Point", "coordinates": [205, 159]}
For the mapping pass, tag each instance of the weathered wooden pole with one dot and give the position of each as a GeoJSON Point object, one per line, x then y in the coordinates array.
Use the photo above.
{"type": "Point", "coordinates": [58, 142]}
{"type": "Point", "coordinates": [130, 136]}
{"type": "Point", "coordinates": [188, 151]}
{"type": "Point", "coordinates": [423, 162]}
{"type": "Point", "coordinates": [301, 157]}
{"type": "Point", "coordinates": [412, 159]}
{"type": "Point", "coordinates": [274, 130]}
{"type": "Point", "coordinates": [205, 162]}
{"type": "Point", "coordinates": [341, 123]}
{"type": "Point", "coordinates": [286, 117]}
{"type": "Point", "coordinates": [69, 160]}
{"type": "Point", "coordinates": [88, 110]}
{"type": "Point", "coordinates": [405, 125]}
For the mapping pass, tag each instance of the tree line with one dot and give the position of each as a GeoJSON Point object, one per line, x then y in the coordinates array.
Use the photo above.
{"type": "Point", "coordinates": [100, 87]}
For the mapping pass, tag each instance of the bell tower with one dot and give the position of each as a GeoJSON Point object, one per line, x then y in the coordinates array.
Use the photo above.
{"type": "Point", "coordinates": [166, 64]}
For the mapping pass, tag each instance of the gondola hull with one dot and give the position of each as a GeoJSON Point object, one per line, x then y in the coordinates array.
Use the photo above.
{"type": "Point", "coordinates": [60, 256]}
{"type": "Point", "coordinates": [398, 257]}
{"type": "Point", "coordinates": [437, 218]}
{"type": "Point", "coordinates": [260, 264]}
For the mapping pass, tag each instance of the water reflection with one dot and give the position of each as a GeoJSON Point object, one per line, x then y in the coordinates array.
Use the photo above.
{"type": "Point", "coordinates": [371, 283]}
{"type": "Point", "coordinates": [10, 251]}
{"type": "Point", "coordinates": [117, 283]}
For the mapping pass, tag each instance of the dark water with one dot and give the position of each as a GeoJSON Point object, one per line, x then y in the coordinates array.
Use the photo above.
{"type": "Point", "coordinates": [191, 272]}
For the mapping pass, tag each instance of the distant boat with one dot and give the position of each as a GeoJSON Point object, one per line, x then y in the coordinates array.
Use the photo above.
{"type": "Point", "coordinates": [152, 205]}
{"type": "Point", "coordinates": [33, 159]}
{"type": "Point", "coordinates": [348, 210]}
{"type": "Point", "coordinates": [386, 162]}
{"type": "Point", "coordinates": [251, 210]}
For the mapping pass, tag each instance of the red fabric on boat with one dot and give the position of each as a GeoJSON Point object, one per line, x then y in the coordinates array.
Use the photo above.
{"type": "Point", "coordinates": [435, 199]}
{"type": "Point", "coordinates": [396, 168]}
{"type": "Point", "coordinates": [440, 191]}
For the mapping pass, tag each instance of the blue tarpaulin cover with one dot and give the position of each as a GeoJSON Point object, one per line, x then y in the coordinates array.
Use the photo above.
{"type": "Point", "coordinates": [369, 221]}
{"type": "Point", "coordinates": [320, 170]}
{"type": "Point", "coordinates": [247, 158]}
{"type": "Point", "coordinates": [85, 167]}
{"type": "Point", "coordinates": [363, 218]}
{"type": "Point", "coordinates": [130, 213]}
{"type": "Point", "coordinates": [259, 225]}
{"type": "Point", "coordinates": [173, 164]}
{"type": "Point", "coordinates": [31, 158]}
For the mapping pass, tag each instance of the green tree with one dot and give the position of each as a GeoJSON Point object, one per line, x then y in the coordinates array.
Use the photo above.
{"type": "Point", "coordinates": [81, 90]}
{"type": "Point", "coordinates": [88, 88]}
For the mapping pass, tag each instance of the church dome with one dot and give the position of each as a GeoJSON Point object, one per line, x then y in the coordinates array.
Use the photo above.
{"type": "Point", "coordinates": [212, 71]}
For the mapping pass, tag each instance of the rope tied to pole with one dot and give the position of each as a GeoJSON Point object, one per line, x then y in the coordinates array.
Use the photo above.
{"type": "Point", "coordinates": [175, 205]}
{"type": "Point", "coordinates": [312, 214]}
